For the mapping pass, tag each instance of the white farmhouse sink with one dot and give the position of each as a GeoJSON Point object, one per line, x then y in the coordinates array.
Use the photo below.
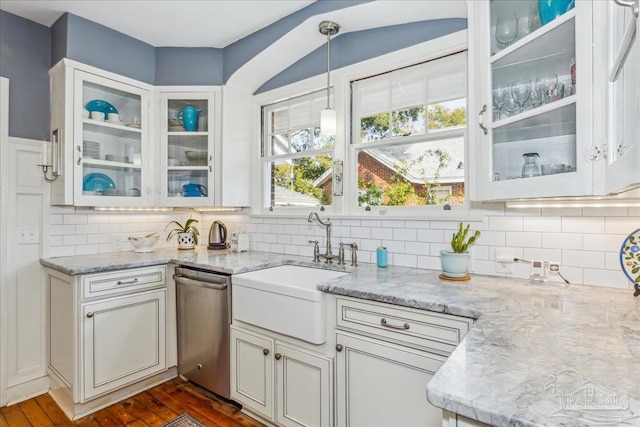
{"type": "Point", "coordinates": [284, 299]}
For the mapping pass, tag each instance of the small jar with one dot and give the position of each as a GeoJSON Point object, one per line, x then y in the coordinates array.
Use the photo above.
{"type": "Point", "coordinates": [530, 167]}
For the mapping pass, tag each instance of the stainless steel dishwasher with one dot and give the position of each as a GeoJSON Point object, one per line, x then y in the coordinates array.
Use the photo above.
{"type": "Point", "coordinates": [204, 316]}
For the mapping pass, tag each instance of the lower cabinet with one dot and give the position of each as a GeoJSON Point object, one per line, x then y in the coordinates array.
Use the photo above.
{"type": "Point", "coordinates": [283, 383]}
{"type": "Point", "coordinates": [384, 384]}
{"type": "Point", "coordinates": [109, 336]}
{"type": "Point", "coordinates": [449, 419]}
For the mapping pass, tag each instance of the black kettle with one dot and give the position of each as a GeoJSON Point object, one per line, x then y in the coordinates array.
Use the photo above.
{"type": "Point", "coordinates": [218, 236]}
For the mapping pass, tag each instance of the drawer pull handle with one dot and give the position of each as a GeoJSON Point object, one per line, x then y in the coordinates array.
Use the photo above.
{"type": "Point", "coordinates": [383, 322]}
{"type": "Point", "coordinates": [265, 351]}
{"type": "Point", "coordinates": [278, 356]}
{"type": "Point", "coordinates": [90, 314]}
{"type": "Point", "coordinates": [127, 282]}
{"type": "Point", "coordinates": [338, 347]}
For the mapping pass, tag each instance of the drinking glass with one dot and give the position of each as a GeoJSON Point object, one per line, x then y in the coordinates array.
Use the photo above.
{"type": "Point", "coordinates": [546, 84]}
{"type": "Point", "coordinates": [507, 28]}
{"type": "Point", "coordinates": [534, 17]}
{"type": "Point", "coordinates": [536, 97]}
{"type": "Point", "coordinates": [500, 95]}
{"type": "Point", "coordinates": [520, 91]}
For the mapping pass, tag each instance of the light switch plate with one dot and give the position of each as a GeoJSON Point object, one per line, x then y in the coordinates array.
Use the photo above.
{"type": "Point", "coordinates": [26, 235]}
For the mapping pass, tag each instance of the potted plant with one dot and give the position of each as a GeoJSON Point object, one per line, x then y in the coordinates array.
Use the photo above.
{"type": "Point", "coordinates": [455, 262]}
{"type": "Point", "coordinates": [187, 233]}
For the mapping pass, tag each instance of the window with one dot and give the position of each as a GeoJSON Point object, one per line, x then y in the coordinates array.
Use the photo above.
{"type": "Point", "coordinates": [408, 134]}
{"type": "Point", "coordinates": [296, 159]}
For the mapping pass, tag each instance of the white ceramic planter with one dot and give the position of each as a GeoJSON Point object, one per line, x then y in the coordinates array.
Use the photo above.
{"type": "Point", "coordinates": [453, 264]}
{"type": "Point", "coordinates": [186, 241]}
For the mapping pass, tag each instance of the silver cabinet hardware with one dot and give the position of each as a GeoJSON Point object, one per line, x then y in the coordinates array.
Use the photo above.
{"type": "Point", "coordinates": [480, 122]}
{"type": "Point", "coordinates": [79, 156]}
{"type": "Point", "coordinates": [338, 347]}
{"type": "Point", "coordinates": [277, 356]}
{"type": "Point", "coordinates": [210, 161]}
{"type": "Point", "coordinates": [127, 282]}
{"type": "Point", "coordinates": [384, 323]}
{"type": "Point", "coordinates": [199, 365]}
{"type": "Point", "coordinates": [265, 352]}
{"type": "Point", "coordinates": [90, 314]}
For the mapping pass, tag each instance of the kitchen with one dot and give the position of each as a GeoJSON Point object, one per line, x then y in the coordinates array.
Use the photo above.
{"type": "Point", "coordinates": [584, 238]}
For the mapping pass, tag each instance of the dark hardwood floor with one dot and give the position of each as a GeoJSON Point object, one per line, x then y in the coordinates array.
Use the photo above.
{"type": "Point", "coordinates": [148, 409]}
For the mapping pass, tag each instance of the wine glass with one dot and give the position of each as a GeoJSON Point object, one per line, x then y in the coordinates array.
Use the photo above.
{"type": "Point", "coordinates": [507, 28]}
{"type": "Point", "coordinates": [534, 17]}
{"type": "Point", "coordinates": [520, 91]}
{"type": "Point", "coordinates": [500, 95]}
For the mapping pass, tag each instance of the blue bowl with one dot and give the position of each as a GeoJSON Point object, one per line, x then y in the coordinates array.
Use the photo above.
{"type": "Point", "coordinates": [551, 9]}
{"type": "Point", "coordinates": [102, 106]}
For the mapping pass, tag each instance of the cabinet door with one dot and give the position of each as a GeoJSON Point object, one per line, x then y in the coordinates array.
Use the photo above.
{"type": "Point", "coordinates": [304, 388]}
{"type": "Point", "coordinates": [123, 340]}
{"type": "Point", "coordinates": [623, 154]}
{"type": "Point", "coordinates": [189, 162]}
{"type": "Point", "coordinates": [523, 100]}
{"type": "Point", "coordinates": [111, 157]}
{"type": "Point", "coordinates": [252, 371]}
{"type": "Point", "coordinates": [382, 384]}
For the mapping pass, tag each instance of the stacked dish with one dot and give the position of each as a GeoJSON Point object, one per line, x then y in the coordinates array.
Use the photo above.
{"type": "Point", "coordinates": [133, 192]}
{"type": "Point", "coordinates": [196, 158]}
{"type": "Point", "coordinates": [116, 158]}
{"type": "Point", "coordinates": [91, 149]}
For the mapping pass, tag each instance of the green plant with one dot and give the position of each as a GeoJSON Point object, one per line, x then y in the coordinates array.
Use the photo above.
{"type": "Point", "coordinates": [187, 227]}
{"type": "Point", "coordinates": [458, 243]}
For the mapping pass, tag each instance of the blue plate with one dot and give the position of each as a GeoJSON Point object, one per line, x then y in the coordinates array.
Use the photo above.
{"type": "Point", "coordinates": [102, 106]}
{"type": "Point", "coordinates": [630, 256]}
{"type": "Point", "coordinates": [97, 182]}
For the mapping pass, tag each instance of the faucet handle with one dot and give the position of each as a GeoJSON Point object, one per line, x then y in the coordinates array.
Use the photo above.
{"type": "Point", "coordinates": [354, 254]}
{"type": "Point", "coordinates": [316, 250]}
{"type": "Point", "coordinates": [341, 253]}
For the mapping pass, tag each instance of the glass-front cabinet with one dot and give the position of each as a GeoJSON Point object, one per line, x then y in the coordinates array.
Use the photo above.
{"type": "Point", "coordinates": [111, 122]}
{"type": "Point", "coordinates": [187, 148]}
{"type": "Point", "coordinates": [531, 98]}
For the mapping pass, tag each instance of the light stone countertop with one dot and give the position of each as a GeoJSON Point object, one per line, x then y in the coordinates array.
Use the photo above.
{"type": "Point", "coordinates": [535, 357]}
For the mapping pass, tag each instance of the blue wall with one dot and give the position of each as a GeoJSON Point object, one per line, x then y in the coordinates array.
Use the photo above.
{"type": "Point", "coordinates": [188, 66]}
{"type": "Point", "coordinates": [355, 47]}
{"type": "Point", "coordinates": [25, 53]}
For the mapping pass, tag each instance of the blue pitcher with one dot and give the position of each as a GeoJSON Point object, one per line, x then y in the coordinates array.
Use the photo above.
{"type": "Point", "coordinates": [188, 117]}
{"type": "Point", "coordinates": [551, 9]}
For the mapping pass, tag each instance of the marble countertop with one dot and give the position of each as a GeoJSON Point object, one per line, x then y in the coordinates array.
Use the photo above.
{"type": "Point", "coordinates": [535, 357]}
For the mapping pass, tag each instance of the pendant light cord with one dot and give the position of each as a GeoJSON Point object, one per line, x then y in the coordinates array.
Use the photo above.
{"type": "Point", "coordinates": [328, 65]}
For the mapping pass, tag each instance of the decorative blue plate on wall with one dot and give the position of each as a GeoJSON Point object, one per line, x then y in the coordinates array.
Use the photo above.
{"type": "Point", "coordinates": [630, 256]}
{"type": "Point", "coordinates": [97, 182]}
{"type": "Point", "coordinates": [102, 106]}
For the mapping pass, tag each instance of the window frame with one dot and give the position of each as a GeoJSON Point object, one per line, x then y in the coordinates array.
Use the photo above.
{"type": "Point", "coordinates": [346, 206]}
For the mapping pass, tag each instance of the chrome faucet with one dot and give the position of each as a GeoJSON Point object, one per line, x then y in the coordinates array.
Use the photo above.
{"type": "Point", "coordinates": [328, 256]}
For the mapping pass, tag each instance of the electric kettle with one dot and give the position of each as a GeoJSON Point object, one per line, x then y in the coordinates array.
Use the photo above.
{"type": "Point", "coordinates": [218, 236]}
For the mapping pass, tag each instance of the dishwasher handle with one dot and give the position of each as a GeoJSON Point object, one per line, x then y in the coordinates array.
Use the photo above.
{"type": "Point", "coordinates": [185, 281]}
{"type": "Point", "coordinates": [202, 276]}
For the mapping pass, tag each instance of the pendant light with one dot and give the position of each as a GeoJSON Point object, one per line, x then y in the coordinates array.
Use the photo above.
{"type": "Point", "coordinates": [328, 116]}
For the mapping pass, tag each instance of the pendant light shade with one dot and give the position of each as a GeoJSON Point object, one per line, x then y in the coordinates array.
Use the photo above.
{"type": "Point", "coordinates": [328, 116]}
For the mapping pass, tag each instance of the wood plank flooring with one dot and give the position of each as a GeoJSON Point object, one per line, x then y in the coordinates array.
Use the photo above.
{"type": "Point", "coordinates": [150, 408]}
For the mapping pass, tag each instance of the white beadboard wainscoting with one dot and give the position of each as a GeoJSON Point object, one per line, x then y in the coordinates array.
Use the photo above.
{"type": "Point", "coordinates": [586, 241]}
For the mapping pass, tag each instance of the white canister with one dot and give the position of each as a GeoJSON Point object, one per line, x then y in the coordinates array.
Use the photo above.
{"type": "Point", "coordinates": [239, 242]}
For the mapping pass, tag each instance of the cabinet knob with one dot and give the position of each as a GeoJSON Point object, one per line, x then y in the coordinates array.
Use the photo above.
{"type": "Point", "coordinates": [90, 314]}
{"type": "Point", "coordinates": [265, 351]}
{"type": "Point", "coordinates": [199, 365]}
{"type": "Point", "coordinates": [338, 347]}
{"type": "Point", "coordinates": [277, 356]}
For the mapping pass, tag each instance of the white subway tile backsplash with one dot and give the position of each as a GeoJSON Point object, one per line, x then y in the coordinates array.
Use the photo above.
{"type": "Point", "coordinates": [94, 239]}
{"type": "Point", "coordinates": [393, 246]}
{"type": "Point", "coordinates": [350, 222]}
{"type": "Point", "coordinates": [371, 223]}
{"type": "Point", "coordinates": [491, 238]}
{"type": "Point", "coordinates": [608, 211]}
{"type": "Point", "coordinates": [416, 248]}
{"type": "Point", "coordinates": [618, 225]}
{"type": "Point", "coordinates": [405, 260]}
{"type": "Point", "coordinates": [583, 259]}
{"type": "Point", "coordinates": [72, 240]}
{"type": "Point", "coordinates": [612, 261]}
{"type": "Point", "coordinates": [435, 248]}
{"type": "Point", "coordinates": [602, 242]}
{"type": "Point", "coordinates": [370, 244]}
{"type": "Point", "coordinates": [579, 224]}
{"type": "Point", "coordinates": [542, 224]}
{"type": "Point", "coordinates": [75, 219]}
{"type": "Point", "coordinates": [56, 219]}
{"type": "Point", "coordinates": [405, 234]}
{"type": "Point", "coordinates": [436, 236]}
{"type": "Point", "coordinates": [276, 229]}
{"type": "Point", "coordinates": [542, 254]}
{"type": "Point", "coordinates": [429, 262]}
{"type": "Point", "coordinates": [493, 209]}
{"type": "Point", "coordinates": [87, 229]}
{"type": "Point", "coordinates": [381, 233]}
{"type": "Point", "coordinates": [62, 230]}
{"type": "Point", "coordinates": [609, 278]}
{"type": "Point", "coordinates": [525, 239]}
{"type": "Point", "coordinates": [561, 211]}
{"type": "Point", "coordinates": [361, 232]}
{"type": "Point", "coordinates": [561, 241]}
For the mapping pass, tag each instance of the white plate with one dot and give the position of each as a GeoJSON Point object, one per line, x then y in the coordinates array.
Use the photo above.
{"type": "Point", "coordinates": [132, 125]}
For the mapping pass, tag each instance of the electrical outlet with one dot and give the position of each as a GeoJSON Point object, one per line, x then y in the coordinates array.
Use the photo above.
{"type": "Point", "coordinates": [117, 243]}
{"type": "Point", "coordinates": [554, 266]}
{"type": "Point", "coordinates": [26, 235]}
{"type": "Point", "coordinates": [504, 267]}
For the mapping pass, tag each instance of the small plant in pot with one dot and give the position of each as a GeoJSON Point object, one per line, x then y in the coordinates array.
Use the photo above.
{"type": "Point", "coordinates": [187, 233]}
{"type": "Point", "coordinates": [455, 262]}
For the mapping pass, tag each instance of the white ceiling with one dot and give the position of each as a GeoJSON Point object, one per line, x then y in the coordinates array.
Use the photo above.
{"type": "Point", "coordinates": [178, 23]}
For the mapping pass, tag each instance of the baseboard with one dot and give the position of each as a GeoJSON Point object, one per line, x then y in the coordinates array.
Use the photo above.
{"type": "Point", "coordinates": [62, 396]}
{"type": "Point", "coordinates": [17, 393]}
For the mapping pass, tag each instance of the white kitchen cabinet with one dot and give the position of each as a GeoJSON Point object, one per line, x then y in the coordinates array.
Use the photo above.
{"type": "Point", "coordinates": [613, 25]}
{"type": "Point", "coordinates": [449, 419]}
{"type": "Point", "coordinates": [560, 131]}
{"type": "Point", "coordinates": [108, 333]}
{"type": "Point", "coordinates": [99, 162]}
{"type": "Point", "coordinates": [385, 357]}
{"type": "Point", "coordinates": [189, 159]}
{"type": "Point", "coordinates": [290, 386]}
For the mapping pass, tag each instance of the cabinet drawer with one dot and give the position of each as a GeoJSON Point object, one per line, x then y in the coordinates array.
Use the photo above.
{"type": "Point", "coordinates": [421, 329]}
{"type": "Point", "coordinates": [122, 281]}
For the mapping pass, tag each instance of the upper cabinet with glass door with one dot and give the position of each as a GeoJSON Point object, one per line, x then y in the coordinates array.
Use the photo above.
{"type": "Point", "coordinates": [111, 124]}
{"type": "Point", "coordinates": [531, 89]}
{"type": "Point", "coordinates": [187, 148]}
